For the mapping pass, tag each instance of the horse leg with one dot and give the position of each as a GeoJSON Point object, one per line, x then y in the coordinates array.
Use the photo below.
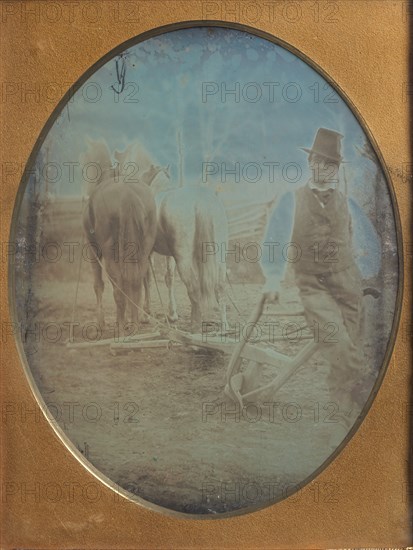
{"type": "Point", "coordinates": [189, 278]}
{"type": "Point", "coordinates": [99, 286]}
{"type": "Point", "coordinates": [120, 301]}
{"type": "Point", "coordinates": [136, 288]}
{"type": "Point", "coordinates": [114, 271]}
{"type": "Point", "coordinates": [170, 280]}
{"type": "Point", "coordinates": [220, 297]}
{"type": "Point", "coordinates": [138, 285]}
{"type": "Point", "coordinates": [147, 287]}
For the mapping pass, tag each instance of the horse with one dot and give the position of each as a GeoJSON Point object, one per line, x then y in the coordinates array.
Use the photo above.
{"type": "Point", "coordinates": [189, 220]}
{"type": "Point", "coordinates": [147, 178]}
{"type": "Point", "coordinates": [135, 165]}
{"type": "Point", "coordinates": [119, 222]}
{"type": "Point", "coordinates": [192, 225]}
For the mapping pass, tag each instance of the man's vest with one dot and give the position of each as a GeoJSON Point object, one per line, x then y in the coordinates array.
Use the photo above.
{"type": "Point", "coordinates": [322, 235]}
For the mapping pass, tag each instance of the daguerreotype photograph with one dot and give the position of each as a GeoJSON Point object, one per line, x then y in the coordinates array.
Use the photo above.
{"type": "Point", "coordinates": [204, 271]}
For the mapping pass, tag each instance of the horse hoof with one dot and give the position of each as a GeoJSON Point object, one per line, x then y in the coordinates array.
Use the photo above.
{"type": "Point", "coordinates": [172, 318]}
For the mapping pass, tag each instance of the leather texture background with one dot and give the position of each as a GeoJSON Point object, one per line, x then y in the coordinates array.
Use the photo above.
{"type": "Point", "coordinates": [365, 51]}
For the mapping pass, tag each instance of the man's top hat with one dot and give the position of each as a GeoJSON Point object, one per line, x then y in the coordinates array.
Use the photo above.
{"type": "Point", "coordinates": [327, 143]}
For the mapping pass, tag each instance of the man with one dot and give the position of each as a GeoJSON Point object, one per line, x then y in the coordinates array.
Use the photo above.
{"type": "Point", "coordinates": [315, 223]}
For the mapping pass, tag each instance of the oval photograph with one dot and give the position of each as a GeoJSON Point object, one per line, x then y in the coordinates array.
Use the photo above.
{"type": "Point", "coordinates": [205, 270]}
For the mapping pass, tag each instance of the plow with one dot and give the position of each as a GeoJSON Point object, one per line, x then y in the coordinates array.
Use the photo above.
{"type": "Point", "coordinates": [241, 384]}
{"type": "Point", "coordinates": [247, 358]}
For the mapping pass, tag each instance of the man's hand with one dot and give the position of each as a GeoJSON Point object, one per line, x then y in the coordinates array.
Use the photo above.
{"type": "Point", "coordinates": [271, 293]}
{"type": "Point", "coordinates": [271, 297]}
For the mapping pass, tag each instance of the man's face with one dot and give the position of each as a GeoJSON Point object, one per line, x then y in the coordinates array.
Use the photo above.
{"type": "Point", "coordinates": [325, 171]}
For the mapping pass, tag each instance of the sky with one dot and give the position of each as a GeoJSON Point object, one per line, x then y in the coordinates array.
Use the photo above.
{"type": "Point", "coordinates": [174, 97]}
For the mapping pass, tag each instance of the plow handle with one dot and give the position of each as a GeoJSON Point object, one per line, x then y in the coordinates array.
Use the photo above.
{"type": "Point", "coordinates": [254, 318]}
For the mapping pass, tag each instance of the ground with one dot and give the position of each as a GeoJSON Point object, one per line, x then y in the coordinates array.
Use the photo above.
{"type": "Point", "coordinates": [157, 421]}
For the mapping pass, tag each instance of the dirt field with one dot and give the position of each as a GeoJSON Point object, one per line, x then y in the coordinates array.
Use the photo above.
{"type": "Point", "coordinates": [157, 422]}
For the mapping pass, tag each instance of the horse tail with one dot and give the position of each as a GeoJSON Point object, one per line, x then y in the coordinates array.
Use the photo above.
{"type": "Point", "coordinates": [89, 221]}
{"type": "Point", "coordinates": [131, 235]}
{"type": "Point", "coordinates": [91, 215]}
{"type": "Point", "coordinates": [208, 238]}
